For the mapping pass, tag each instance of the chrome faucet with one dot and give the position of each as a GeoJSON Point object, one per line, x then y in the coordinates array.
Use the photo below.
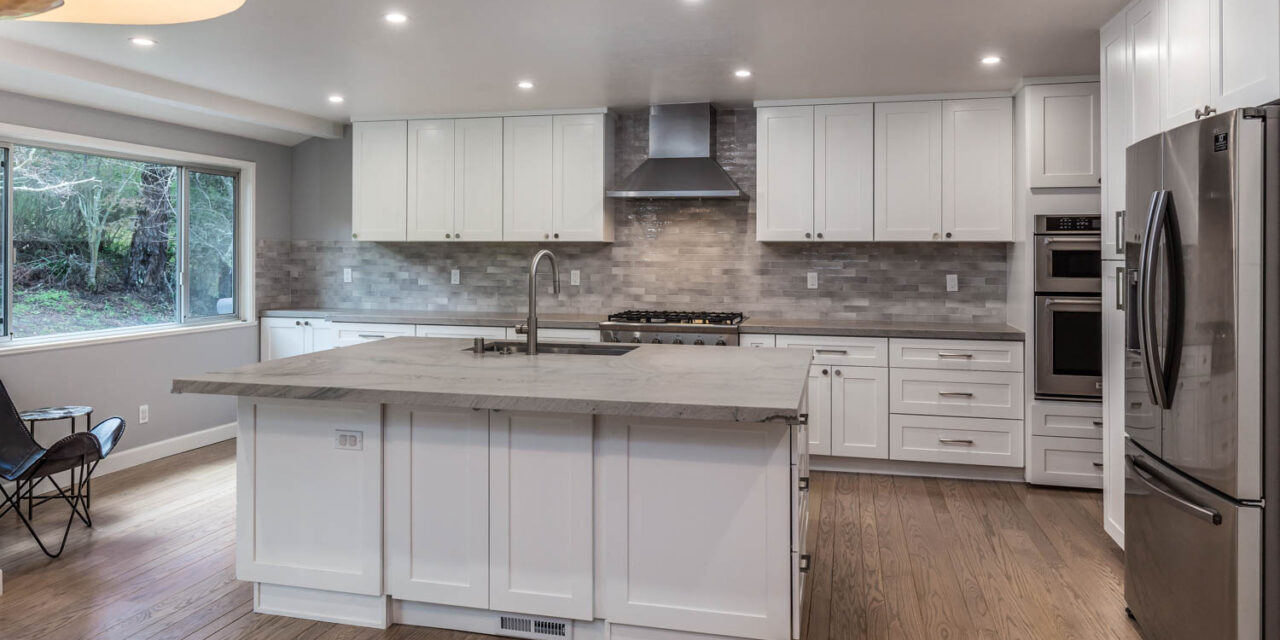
{"type": "Point", "coordinates": [530, 326]}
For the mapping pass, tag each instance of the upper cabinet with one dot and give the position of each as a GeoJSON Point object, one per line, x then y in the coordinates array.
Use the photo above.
{"type": "Point", "coordinates": [1184, 60]}
{"type": "Point", "coordinates": [897, 171]}
{"type": "Point", "coordinates": [1142, 30]}
{"type": "Point", "coordinates": [1116, 136]}
{"type": "Point", "coordinates": [379, 176]}
{"type": "Point", "coordinates": [1064, 129]}
{"type": "Point", "coordinates": [1244, 53]}
{"type": "Point", "coordinates": [535, 178]}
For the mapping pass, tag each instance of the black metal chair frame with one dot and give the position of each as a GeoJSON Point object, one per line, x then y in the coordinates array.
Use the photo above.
{"type": "Point", "coordinates": [75, 500]}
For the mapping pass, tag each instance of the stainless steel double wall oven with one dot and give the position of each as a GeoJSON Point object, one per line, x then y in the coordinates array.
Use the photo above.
{"type": "Point", "coordinates": [1068, 270]}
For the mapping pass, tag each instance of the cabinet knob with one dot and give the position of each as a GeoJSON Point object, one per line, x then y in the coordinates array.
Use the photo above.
{"type": "Point", "coordinates": [948, 235]}
{"type": "Point", "coordinates": [447, 236]}
{"type": "Point", "coordinates": [557, 236]}
{"type": "Point", "coordinates": [297, 323]}
{"type": "Point", "coordinates": [825, 372]}
{"type": "Point", "coordinates": [306, 323]}
{"type": "Point", "coordinates": [819, 236]}
{"type": "Point", "coordinates": [353, 236]}
{"type": "Point", "coordinates": [1208, 111]}
{"type": "Point", "coordinates": [839, 373]}
{"type": "Point", "coordinates": [808, 235]}
{"type": "Point", "coordinates": [546, 236]}
{"type": "Point", "coordinates": [457, 236]}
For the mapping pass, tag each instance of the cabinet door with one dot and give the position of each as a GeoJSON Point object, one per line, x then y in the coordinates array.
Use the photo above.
{"type": "Point", "coordinates": [844, 183]}
{"type": "Point", "coordinates": [541, 548]}
{"type": "Point", "coordinates": [578, 161]}
{"type": "Point", "coordinates": [431, 180]}
{"type": "Point", "coordinates": [1113, 400]}
{"type": "Point", "coordinates": [477, 186]}
{"type": "Point", "coordinates": [860, 412]}
{"type": "Point", "coordinates": [908, 171]}
{"type": "Point", "coordinates": [437, 497]}
{"type": "Point", "coordinates": [1244, 51]}
{"type": "Point", "coordinates": [282, 338]}
{"type": "Point", "coordinates": [321, 336]}
{"type": "Point", "coordinates": [1184, 60]}
{"type": "Point", "coordinates": [1063, 135]}
{"type": "Point", "coordinates": [784, 174]}
{"type": "Point", "coordinates": [1142, 21]}
{"type": "Point", "coordinates": [527, 178]}
{"type": "Point", "coordinates": [1114, 53]}
{"type": "Point", "coordinates": [379, 176]}
{"type": "Point", "coordinates": [977, 170]}
{"type": "Point", "coordinates": [819, 403]}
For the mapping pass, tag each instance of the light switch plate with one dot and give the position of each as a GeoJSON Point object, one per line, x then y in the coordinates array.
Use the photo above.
{"type": "Point", "coordinates": [575, 277]}
{"type": "Point", "coordinates": [813, 279]}
{"type": "Point", "coordinates": [455, 277]}
{"type": "Point", "coordinates": [144, 413]}
{"type": "Point", "coordinates": [953, 282]}
{"type": "Point", "coordinates": [348, 440]}
{"type": "Point", "coordinates": [346, 274]}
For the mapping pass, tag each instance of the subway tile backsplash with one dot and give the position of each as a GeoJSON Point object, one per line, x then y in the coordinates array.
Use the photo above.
{"type": "Point", "coordinates": [672, 254]}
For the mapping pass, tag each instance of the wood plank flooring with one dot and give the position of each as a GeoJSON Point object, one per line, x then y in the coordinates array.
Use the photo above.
{"type": "Point", "coordinates": [894, 557]}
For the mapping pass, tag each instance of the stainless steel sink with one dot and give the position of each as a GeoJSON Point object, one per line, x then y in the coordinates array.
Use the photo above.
{"type": "Point", "coordinates": [514, 347]}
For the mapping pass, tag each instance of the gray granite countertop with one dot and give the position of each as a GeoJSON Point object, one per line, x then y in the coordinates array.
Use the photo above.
{"type": "Point", "coordinates": [885, 329]}
{"type": "Point", "coordinates": [459, 318]}
{"type": "Point", "coordinates": [660, 381]}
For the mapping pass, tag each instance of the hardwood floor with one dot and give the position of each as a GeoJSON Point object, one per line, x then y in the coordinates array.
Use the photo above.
{"type": "Point", "coordinates": [894, 557]}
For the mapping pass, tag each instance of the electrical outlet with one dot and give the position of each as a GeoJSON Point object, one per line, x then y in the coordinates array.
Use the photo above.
{"type": "Point", "coordinates": [346, 275]}
{"type": "Point", "coordinates": [813, 279]}
{"type": "Point", "coordinates": [144, 413]}
{"type": "Point", "coordinates": [348, 440]}
{"type": "Point", "coordinates": [575, 278]}
{"type": "Point", "coordinates": [455, 277]}
{"type": "Point", "coordinates": [953, 282]}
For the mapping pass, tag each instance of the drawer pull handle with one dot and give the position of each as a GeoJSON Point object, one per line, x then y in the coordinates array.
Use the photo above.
{"type": "Point", "coordinates": [1097, 465]}
{"type": "Point", "coordinates": [371, 336]}
{"type": "Point", "coordinates": [805, 561]}
{"type": "Point", "coordinates": [965, 356]}
{"type": "Point", "coordinates": [834, 352]}
{"type": "Point", "coordinates": [955, 394]}
{"type": "Point", "coordinates": [961, 441]}
{"type": "Point", "coordinates": [1097, 423]}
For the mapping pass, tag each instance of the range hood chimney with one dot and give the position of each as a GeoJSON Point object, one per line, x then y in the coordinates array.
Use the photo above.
{"type": "Point", "coordinates": [681, 139]}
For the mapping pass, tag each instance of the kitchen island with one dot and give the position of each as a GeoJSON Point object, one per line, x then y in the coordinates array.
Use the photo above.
{"type": "Point", "coordinates": [657, 493]}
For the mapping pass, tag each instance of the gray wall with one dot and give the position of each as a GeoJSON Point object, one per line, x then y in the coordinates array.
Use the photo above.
{"type": "Point", "coordinates": [322, 189]}
{"type": "Point", "coordinates": [115, 378]}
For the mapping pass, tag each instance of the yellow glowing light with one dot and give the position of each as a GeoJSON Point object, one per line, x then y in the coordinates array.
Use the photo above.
{"type": "Point", "coordinates": [137, 12]}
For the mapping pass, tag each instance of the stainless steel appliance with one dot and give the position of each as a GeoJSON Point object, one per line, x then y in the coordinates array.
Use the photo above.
{"type": "Point", "coordinates": [1068, 312]}
{"type": "Point", "coordinates": [673, 327]}
{"type": "Point", "coordinates": [1202, 423]}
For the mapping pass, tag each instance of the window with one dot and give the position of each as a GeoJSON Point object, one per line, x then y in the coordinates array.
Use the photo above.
{"type": "Point", "coordinates": [109, 243]}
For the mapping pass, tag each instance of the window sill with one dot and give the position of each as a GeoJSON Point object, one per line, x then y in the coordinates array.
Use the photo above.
{"type": "Point", "coordinates": [30, 345]}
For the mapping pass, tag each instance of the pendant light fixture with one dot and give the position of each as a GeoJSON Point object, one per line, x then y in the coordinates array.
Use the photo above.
{"type": "Point", "coordinates": [131, 12]}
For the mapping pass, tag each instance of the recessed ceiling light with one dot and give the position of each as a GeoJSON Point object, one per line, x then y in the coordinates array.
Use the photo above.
{"type": "Point", "coordinates": [525, 84]}
{"type": "Point", "coordinates": [742, 73]}
{"type": "Point", "coordinates": [143, 42]}
{"type": "Point", "coordinates": [337, 99]}
{"type": "Point", "coordinates": [991, 60]}
{"type": "Point", "coordinates": [396, 18]}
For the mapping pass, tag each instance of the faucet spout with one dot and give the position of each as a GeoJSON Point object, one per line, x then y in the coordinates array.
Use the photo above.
{"type": "Point", "coordinates": [531, 324]}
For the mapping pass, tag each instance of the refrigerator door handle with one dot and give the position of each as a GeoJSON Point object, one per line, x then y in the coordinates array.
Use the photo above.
{"type": "Point", "coordinates": [1146, 473]}
{"type": "Point", "coordinates": [1146, 302]}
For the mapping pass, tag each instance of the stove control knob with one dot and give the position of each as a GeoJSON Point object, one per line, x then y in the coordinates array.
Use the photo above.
{"type": "Point", "coordinates": [699, 341]}
{"type": "Point", "coordinates": [636, 339]}
{"type": "Point", "coordinates": [721, 343]}
{"type": "Point", "coordinates": [677, 341]}
{"type": "Point", "coordinates": [656, 341]}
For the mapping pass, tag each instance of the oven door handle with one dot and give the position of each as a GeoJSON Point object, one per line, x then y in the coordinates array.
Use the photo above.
{"type": "Point", "coordinates": [1091, 242]}
{"type": "Point", "coordinates": [1049, 303]}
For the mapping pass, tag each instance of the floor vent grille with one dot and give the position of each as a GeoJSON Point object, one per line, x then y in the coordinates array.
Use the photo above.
{"type": "Point", "coordinates": [534, 628]}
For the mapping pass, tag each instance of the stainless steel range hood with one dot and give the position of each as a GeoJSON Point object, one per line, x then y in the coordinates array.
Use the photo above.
{"type": "Point", "coordinates": [681, 139]}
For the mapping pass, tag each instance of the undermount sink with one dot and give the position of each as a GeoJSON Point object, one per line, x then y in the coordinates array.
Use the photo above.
{"type": "Point", "coordinates": [513, 347]}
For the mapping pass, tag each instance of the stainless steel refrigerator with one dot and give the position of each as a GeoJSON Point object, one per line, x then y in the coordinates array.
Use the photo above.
{"type": "Point", "coordinates": [1202, 445]}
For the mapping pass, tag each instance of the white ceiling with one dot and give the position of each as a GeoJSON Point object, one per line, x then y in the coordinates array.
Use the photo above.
{"type": "Point", "coordinates": [460, 56]}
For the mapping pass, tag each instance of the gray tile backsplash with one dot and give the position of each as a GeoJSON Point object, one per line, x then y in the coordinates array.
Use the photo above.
{"type": "Point", "coordinates": [671, 254]}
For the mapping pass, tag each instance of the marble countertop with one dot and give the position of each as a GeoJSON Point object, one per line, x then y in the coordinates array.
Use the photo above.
{"type": "Point", "coordinates": [459, 318]}
{"type": "Point", "coordinates": [659, 381]}
{"type": "Point", "coordinates": [885, 329]}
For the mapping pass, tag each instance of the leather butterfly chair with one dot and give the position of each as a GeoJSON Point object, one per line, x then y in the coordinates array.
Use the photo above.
{"type": "Point", "coordinates": [26, 464]}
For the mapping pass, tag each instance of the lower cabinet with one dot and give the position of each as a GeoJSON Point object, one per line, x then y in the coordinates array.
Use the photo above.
{"type": "Point", "coordinates": [859, 412]}
{"type": "Point", "coordinates": [976, 441]}
{"type": "Point", "coordinates": [1066, 444]}
{"type": "Point", "coordinates": [464, 331]}
{"type": "Point", "coordinates": [559, 335]}
{"type": "Point", "coordinates": [349, 333]}
{"type": "Point", "coordinates": [288, 337]}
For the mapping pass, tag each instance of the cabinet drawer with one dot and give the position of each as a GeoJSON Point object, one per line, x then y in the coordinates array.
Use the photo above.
{"type": "Point", "coordinates": [853, 352]}
{"type": "Point", "coordinates": [964, 355]}
{"type": "Point", "coordinates": [956, 440]}
{"type": "Point", "coordinates": [1066, 462]}
{"type": "Point", "coordinates": [757, 340]}
{"type": "Point", "coordinates": [978, 394]}
{"type": "Point", "coordinates": [451, 331]}
{"type": "Point", "coordinates": [559, 335]}
{"type": "Point", "coordinates": [349, 333]}
{"type": "Point", "coordinates": [1066, 419]}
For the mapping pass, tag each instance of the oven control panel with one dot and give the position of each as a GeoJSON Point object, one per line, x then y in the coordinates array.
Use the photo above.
{"type": "Point", "coordinates": [1058, 223]}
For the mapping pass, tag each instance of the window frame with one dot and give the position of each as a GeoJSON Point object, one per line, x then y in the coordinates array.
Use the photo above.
{"type": "Point", "coordinates": [245, 173]}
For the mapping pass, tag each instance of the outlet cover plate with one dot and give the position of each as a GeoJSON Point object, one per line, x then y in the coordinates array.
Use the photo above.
{"type": "Point", "coordinates": [455, 277]}
{"type": "Point", "coordinates": [144, 413]}
{"type": "Point", "coordinates": [346, 275]}
{"type": "Point", "coordinates": [953, 282]}
{"type": "Point", "coordinates": [813, 280]}
{"type": "Point", "coordinates": [575, 278]}
{"type": "Point", "coordinates": [348, 440]}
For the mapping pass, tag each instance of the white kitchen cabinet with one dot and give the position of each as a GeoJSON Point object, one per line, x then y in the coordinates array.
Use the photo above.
{"type": "Point", "coordinates": [1064, 135]}
{"type": "Point", "coordinates": [758, 340]}
{"type": "Point", "coordinates": [977, 170]}
{"type": "Point", "coordinates": [963, 355]}
{"type": "Point", "coordinates": [840, 350]}
{"type": "Point", "coordinates": [820, 406]}
{"type": "Point", "coordinates": [379, 180]}
{"type": "Point", "coordinates": [784, 173]}
{"type": "Point", "coordinates": [455, 179]}
{"type": "Point", "coordinates": [1066, 419]}
{"type": "Point", "coordinates": [843, 172]}
{"type": "Point", "coordinates": [1184, 60]}
{"type": "Point", "coordinates": [554, 170]}
{"type": "Point", "coordinates": [450, 331]}
{"type": "Point", "coordinates": [1142, 23]}
{"type": "Point", "coordinates": [1066, 462]}
{"type": "Point", "coordinates": [908, 171]}
{"type": "Point", "coordinates": [350, 333]}
{"type": "Point", "coordinates": [977, 394]}
{"type": "Point", "coordinates": [558, 335]}
{"type": "Point", "coordinates": [437, 496]}
{"type": "Point", "coordinates": [1114, 398]}
{"type": "Point", "coordinates": [859, 412]}
{"type": "Point", "coordinates": [976, 441]}
{"type": "Point", "coordinates": [1244, 53]}
{"type": "Point", "coordinates": [541, 541]}
{"type": "Point", "coordinates": [288, 337]}
{"type": "Point", "coordinates": [1116, 123]}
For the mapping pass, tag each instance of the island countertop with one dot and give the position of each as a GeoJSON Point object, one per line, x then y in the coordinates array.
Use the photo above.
{"type": "Point", "coordinates": [659, 381]}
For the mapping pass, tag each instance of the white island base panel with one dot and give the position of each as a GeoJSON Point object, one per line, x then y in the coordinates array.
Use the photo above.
{"type": "Point", "coordinates": [628, 528]}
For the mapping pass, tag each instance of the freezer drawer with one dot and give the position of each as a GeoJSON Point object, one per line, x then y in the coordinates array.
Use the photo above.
{"type": "Point", "coordinates": [1192, 557]}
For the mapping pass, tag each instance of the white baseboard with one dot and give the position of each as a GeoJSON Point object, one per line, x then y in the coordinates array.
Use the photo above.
{"type": "Point", "coordinates": [480, 621]}
{"type": "Point", "coordinates": [919, 469]}
{"type": "Point", "coordinates": [120, 460]}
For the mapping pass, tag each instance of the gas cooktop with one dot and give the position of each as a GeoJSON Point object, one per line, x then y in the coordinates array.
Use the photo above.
{"type": "Point", "coordinates": [678, 317]}
{"type": "Point", "coordinates": [718, 328]}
